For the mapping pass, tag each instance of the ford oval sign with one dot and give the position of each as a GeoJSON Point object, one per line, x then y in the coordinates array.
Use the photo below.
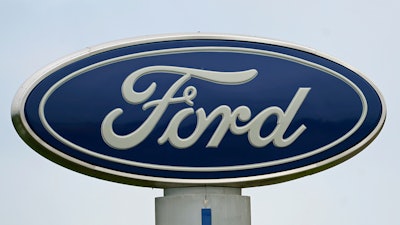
{"type": "Point", "coordinates": [198, 109]}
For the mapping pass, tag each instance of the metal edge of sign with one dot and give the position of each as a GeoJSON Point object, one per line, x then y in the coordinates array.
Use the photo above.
{"type": "Point", "coordinates": [23, 129]}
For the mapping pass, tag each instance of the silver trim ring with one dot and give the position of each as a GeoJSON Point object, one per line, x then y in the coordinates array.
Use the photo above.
{"type": "Point", "coordinates": [26, 133]}
{"type": "Point", "coordinates": [201, 49]}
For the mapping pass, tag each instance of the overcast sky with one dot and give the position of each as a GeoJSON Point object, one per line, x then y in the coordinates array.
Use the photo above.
{"type": "Point", "coordinates": [364, 34]}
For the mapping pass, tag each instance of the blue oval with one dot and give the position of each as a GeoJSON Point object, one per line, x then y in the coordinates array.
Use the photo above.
{"type": "Point", "coordinates": [198, 109]}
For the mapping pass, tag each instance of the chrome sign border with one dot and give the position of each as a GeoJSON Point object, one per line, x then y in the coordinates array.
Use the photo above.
{"type": "Point", "coordinates": [31, 138]}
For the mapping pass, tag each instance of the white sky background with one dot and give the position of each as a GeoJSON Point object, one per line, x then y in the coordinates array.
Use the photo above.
{"type": "Point", "coordinates": [364, 34]}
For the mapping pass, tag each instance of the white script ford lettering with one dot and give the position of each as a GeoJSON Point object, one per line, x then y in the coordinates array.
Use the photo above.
{"type": "Point", "coordinates": [229, 117]}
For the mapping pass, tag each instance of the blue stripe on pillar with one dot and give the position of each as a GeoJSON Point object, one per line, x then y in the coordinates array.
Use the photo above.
{"type": "Point", "coordinates": [205, 216]}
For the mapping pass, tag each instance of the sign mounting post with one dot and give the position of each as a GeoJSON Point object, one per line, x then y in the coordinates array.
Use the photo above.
{"type": "Point", "coordinates": [224, 206]}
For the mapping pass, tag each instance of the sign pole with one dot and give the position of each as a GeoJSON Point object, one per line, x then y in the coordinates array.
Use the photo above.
{"type": "Point", "coordinates": [203, 206]}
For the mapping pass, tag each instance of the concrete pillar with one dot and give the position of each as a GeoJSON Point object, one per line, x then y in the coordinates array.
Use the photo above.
{"type": "Point", "coordinates": [183, 206]}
